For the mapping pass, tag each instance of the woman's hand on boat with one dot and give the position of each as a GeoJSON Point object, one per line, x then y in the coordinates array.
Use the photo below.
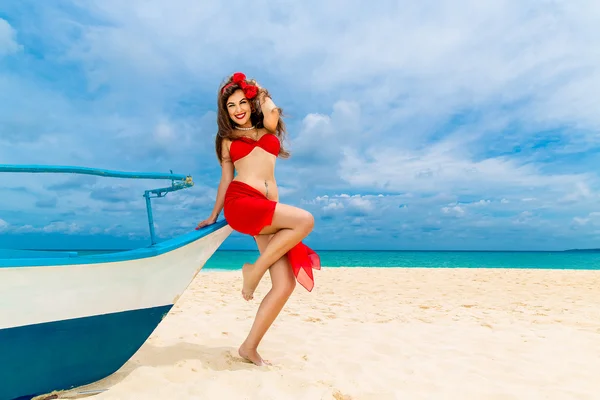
{"type": "Point", "coordinates": [208, 221]}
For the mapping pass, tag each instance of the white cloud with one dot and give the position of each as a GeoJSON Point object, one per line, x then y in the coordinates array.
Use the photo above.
{"type": "Point", "coordinates": [322, 138]}
{"type": "Point", "coordinates": [581, 191]}
{"type": "Point", "coordinates": [8, 39]}
{"type": "Point", "coordinates": [354, 206]}
{"type": "Point", "coordinates": [317, 139]}
{"type": "Point", "coordinates": [333, 206]}
{"type": "Point", "coordinates": [581, 221]}
{"type": "Point", "coordinates": [25, 229]}
{"type": "Point", "coordinates": [61, 226]}
{"type": "Point", "coordinates": [53, 227]}
{"type": "Point", "coordinates": [361, 203]}
{"type": "Point", "coordinates": [427, 61]}
{"type": "Point", "coordinates": [445, 168]}
{"type": "Point", "coordinates": [164, 134]}
{"type": "Point", "coordinates": [456, 210]}
{"type": "Point", "coordinates": [592, 219]}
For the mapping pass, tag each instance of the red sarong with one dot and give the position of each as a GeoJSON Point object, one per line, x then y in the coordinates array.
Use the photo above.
{"type": "Point", "coordinates": [248, 211]}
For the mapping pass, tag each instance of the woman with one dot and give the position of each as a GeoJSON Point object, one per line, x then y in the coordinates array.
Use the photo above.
{"type": "Point", "coordinates": [249, 139]}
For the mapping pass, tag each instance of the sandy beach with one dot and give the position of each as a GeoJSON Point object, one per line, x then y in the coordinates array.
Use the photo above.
{"type": "Point", "coordinates": [379, 333]}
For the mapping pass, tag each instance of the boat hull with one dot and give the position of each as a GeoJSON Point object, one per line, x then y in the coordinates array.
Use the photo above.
{"type": "Point", "coordinates": [63, 326]}
{"type": "Point", "coordinates": [64, 354]}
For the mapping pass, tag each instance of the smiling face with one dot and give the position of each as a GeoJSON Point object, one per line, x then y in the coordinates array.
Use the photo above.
{"type": "Point", "coordinates": [239, 109]}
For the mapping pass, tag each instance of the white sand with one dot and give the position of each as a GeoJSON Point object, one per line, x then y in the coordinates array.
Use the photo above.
{"type": "Point", "coordinates": [376, 333]}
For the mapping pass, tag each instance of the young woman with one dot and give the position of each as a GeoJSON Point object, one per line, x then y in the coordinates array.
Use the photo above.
{"type": "Point", "coordinates": [249, 140]}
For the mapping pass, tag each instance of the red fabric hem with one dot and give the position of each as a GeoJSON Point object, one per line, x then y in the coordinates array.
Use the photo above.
{"type": "Point", "coordinates": [248, 211]}
{"type": "Point", "coordinates": [266, 220]}
{"type": "Point", "coordinates": [303, 260]}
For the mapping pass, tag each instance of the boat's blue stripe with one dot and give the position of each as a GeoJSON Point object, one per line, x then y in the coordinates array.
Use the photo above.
{"type": "Point", "coordinates": [37, 359]}
{"type": "Point", "coordinates": [157, 249]}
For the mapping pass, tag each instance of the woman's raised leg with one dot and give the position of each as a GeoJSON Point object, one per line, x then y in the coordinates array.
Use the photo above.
{"type": "Point", "coordinates": [289, 226]}
{"type": "Point", "coordinates": [283, 283]}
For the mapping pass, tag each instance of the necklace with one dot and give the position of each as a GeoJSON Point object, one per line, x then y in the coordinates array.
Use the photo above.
{"type": "Point", "coordinates": [249, 129]}
{"type": "Point", "coordinates": [244, 129]}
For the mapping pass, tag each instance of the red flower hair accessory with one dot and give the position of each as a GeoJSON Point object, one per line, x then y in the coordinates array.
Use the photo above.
{"type": "Point", "coordinates": [250, 91]}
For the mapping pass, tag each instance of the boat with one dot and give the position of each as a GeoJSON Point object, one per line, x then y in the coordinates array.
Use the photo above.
{"type": "Point", "coordinates": [69, 319]}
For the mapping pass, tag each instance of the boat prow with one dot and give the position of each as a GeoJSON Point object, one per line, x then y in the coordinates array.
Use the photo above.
{"type": "Point", "coordinates": [67, 320]}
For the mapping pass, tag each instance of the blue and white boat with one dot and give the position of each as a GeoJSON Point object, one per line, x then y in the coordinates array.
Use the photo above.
{"type": "Point", "coordinates": [67, 320]}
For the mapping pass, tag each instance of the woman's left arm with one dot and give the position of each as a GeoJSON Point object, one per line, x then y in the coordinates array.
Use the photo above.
{"type": "Point", "coordinates": [269, 110]}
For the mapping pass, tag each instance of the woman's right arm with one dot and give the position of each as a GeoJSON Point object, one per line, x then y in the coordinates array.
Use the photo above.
{"type": "Point", "coordinates": [227, 173]}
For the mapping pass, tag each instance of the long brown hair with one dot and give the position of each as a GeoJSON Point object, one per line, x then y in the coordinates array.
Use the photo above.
{"type": "Point", "coordinates": [226, 125]}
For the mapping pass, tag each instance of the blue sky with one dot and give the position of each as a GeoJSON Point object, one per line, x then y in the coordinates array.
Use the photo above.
{"type": "Point", "coordinates": [412, 125]}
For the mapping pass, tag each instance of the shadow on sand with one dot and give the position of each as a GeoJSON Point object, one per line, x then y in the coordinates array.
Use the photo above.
{"type": "Point", "coordinates": [214, 358]}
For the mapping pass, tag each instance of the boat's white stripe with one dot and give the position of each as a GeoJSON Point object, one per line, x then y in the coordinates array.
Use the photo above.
{"type": "Point", "coordinates": [31, 295]}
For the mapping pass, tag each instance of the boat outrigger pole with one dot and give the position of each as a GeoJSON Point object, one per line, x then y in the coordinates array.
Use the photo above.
{"type": "Point", "coordinates": [178, 181]}
{"type": "Point", "coordinates": [185, 183]}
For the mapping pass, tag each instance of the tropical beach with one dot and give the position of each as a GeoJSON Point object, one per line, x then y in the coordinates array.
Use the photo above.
{"type": "Point", "coordinates": [383, 201]}
{"type": "Point", "coordinates": [379, 333]}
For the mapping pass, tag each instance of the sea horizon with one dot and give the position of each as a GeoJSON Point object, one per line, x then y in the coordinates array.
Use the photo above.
{"type": "Point", "coordinates": [576, 260]}
{"type": "Point", "coordinates": [343, 250]}
{"type": "Point", "coordinates": [583, 259]}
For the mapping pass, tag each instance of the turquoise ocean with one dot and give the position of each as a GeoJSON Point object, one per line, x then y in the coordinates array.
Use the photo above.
{"type": "Point", "coordinates": [234, 259]}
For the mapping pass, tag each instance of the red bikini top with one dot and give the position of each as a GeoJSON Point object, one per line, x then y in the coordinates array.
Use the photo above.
{"type": "Point", "coordinates": [242, 146]}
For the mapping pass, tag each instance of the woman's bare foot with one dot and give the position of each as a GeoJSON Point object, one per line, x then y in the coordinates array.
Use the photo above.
{"type": "Point", "coordinates": [252, 356]}
{"type": "Point", "coordinates": [248, 286]}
